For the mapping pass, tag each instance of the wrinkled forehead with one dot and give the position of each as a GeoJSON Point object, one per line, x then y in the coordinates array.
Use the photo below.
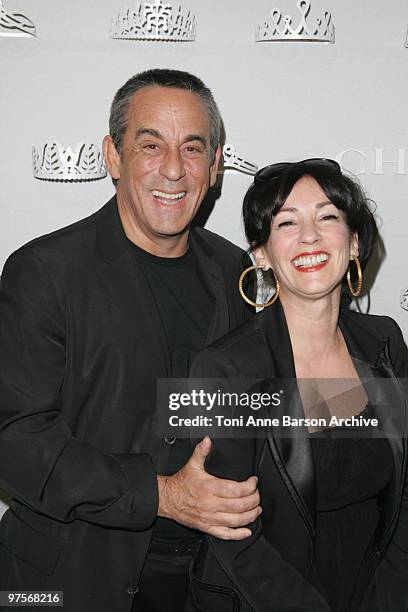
{"type": "Point", "coordinates": [168, 110]}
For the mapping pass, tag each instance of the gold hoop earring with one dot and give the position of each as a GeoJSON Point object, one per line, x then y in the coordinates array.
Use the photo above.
{"type": "Point", "coordinates": [248, 301]}
{"type": "Point", "coordinates": [355, 292]}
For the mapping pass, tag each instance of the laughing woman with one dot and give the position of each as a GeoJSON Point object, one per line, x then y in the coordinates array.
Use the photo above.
{"type": "Point", "coordinates": [334, 532]}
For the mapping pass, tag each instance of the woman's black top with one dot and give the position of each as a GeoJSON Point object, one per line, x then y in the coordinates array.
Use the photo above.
{"type": "Point", "coordinates": [352, 469]}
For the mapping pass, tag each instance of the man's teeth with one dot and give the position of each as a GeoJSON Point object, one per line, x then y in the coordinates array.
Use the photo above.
{"type": "Point", "coordinates": [170, 197]}
{"type": "Point", "coordinates": [310, 260]}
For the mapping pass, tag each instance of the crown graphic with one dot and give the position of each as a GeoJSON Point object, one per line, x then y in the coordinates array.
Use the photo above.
{"type": "Point", "coordinates": [281, 28]}
{"type": "Point", "coordinates": [15, 24]}
{"type": "Point", "coordinates": [404, 299]}
{"type": "Point", "coordinates": [155, 21]}
{"type": "Point", "coordinates": [54, 162]}
{"type": "Point", "coordinates": [235, 161]}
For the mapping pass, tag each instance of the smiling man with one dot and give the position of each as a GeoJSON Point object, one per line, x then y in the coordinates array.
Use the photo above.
{"type": "Point", "coordinates": [103, 508]}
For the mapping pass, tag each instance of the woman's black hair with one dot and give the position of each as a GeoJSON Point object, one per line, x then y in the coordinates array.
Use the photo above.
{"type": "Point", "coordinates": [266, 197]}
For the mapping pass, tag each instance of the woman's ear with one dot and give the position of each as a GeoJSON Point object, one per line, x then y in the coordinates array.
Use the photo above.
{"type": "Point", "coordinates": [354, 249]}
{"type": "Point", "coordinates": [261, 258]}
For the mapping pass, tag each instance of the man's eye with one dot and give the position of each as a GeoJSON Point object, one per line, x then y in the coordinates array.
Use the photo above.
{"type": "Point", "coordinates": [192, 149]}
{"type": "Point", "coordinates": [151, 146]}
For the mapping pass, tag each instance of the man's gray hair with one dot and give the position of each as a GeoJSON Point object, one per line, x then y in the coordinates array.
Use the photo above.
{"type": "Point", "coordinates": [161, 78]}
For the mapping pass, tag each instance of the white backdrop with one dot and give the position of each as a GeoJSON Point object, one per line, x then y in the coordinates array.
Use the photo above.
{"type": "Point", "coordinates": [279, 101]}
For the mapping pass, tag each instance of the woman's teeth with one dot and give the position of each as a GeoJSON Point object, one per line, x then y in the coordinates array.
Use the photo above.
{"type": "Point", "coordinates": [310, 260]}
{"type": "Point", "coordinates": [169, 198]}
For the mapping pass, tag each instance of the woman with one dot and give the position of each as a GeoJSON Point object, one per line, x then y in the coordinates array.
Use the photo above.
{"type": "Point", "coordinates": [334, 533]}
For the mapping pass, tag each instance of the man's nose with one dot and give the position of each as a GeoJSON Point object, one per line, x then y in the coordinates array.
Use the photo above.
{"type": "Point", "coordinates": [172, 166]}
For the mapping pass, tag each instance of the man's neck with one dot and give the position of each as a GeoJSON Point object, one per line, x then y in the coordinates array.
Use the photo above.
{"type": "Point", "coordinates": [161, 246]}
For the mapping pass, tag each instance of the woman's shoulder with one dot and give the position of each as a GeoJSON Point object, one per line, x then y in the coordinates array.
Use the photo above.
{"type": "Point", "coordinates": [384, 329]}
{"type": "Point", "coordinates": [381, 326]}
{"type": "Point", "coordinates": [237, 353]}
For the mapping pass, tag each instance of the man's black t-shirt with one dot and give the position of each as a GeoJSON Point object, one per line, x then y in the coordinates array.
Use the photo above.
{"type": "Point", "coordinates": [185, 307]}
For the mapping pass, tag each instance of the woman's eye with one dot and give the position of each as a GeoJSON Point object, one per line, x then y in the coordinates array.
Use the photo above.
{"type": "Point", "coordinates": [329, 217]}
{"type": "Point", "coordinates": [286, 224]}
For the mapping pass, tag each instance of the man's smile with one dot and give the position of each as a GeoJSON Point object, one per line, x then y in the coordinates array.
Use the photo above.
{"type": "Point", "coordinates": [169, 199]}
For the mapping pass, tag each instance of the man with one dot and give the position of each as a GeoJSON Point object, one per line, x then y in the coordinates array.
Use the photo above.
{"type": "Point", "coordinates": [90, 316]}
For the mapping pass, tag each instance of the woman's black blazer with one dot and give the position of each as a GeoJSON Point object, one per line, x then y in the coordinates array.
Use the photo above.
{"type": "Point", "coordinates": [272, 570]}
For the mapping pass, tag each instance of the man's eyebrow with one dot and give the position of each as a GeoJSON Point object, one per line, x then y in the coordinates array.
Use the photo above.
{"type": "Point", "coordinates": [149, 132]}
{"type": "Point", "coordinates": [152, 132]}
{"type": "Point", "coordinates": [197, 137]}
{"type": "Point", "coordinates": [294, 209]}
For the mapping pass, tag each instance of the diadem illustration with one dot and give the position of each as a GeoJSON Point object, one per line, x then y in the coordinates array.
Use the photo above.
{"type": "Point", "coordinates": [53, 162]}
{"type": "Point", "coordinates": [404, 299]}
{"type": "Point", "coordinates": [15, 24]}
{"type": "Point", "coordinates": [155, 21]}
{"type": "Point", "coordinates": [233, 160]}
{"type": "Point", "coordinates": [281, 28]}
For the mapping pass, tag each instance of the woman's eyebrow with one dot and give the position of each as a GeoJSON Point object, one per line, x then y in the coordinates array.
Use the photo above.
{"type": "Point", "coordinates": [294, 209]}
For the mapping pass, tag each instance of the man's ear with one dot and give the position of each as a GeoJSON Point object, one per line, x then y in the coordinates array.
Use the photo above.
{"type": "Point", "coordinates": [214, 166]}
{"type": "Point", "coordinates": [112, 157]}
{"type": "Point", "coordinates": [261, 258]}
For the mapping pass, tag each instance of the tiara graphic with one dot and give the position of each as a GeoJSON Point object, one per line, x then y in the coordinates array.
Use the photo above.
{"type": "Point", "coordinates": [404, 299]}
{"type": "Point", "coordinates": [281, 29]}
{"type": "Point", "coordinates": [233, 160]}
{"type": "Point", "coordinates": [54, 162]}
{"type": "Point", "coordinates": [155, 21]}
{"type": "Point", "coordinates": [15, 24]}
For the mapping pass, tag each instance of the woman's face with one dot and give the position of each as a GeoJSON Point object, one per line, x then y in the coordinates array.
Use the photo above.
{"type": "Point", "coordinates": [310, 244]}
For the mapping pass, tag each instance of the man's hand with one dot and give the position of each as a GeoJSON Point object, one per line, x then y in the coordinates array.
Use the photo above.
{"type": "Point", "coordinates": [216, 506]}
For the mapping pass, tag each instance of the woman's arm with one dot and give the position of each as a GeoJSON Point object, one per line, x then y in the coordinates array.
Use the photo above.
{"type": "Point", "coordinates": [388, 591]}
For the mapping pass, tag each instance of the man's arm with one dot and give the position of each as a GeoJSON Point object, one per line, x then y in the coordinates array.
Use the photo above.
{"type": "Point", "coordinates": [45, 466]}
{"type": "Point", "coordinates": [214, 505]}
{"type": "Point", "coordinates": [42, 463]}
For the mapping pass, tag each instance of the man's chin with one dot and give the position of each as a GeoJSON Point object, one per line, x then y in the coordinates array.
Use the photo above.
{"type": "Point", "coordinates": [173, 232]}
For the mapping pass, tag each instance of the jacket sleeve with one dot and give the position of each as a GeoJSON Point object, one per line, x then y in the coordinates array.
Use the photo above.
{"type": "Point", "coordinates": [388, 591]}
{"type": "Point", "coordinates": [41, 463]}
{"type": "Point", "coordinates": [265, 580]}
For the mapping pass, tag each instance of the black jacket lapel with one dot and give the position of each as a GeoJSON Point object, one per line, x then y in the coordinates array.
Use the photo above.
{"type": "Point", "coordinates": [126, 283]}
{"type": "Point", "coordinates": [291, 450]}
{"type": "Point", "coordinates": [214, 281]}
{"type": "Point", "coordinates": [372, 361]}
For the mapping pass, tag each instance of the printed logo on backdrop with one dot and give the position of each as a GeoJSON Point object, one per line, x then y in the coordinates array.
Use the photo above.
{"type": "Point", "coordinates": [15, 24]}
{"type": "Point", "coordinates": [54, 162]}
{"type": "Point", "coordinates": [155, 21]}
{"type": "Point", "coordinates": [375, 161]}
{"type": "Point", "coordinates": [234, 161]}
{"type": "Point", "coordinates": [404, 299]}
{"type": "Point", "coordinates": [280, 28]}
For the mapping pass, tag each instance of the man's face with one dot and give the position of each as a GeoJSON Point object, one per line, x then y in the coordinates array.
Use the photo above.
{"type": "Point", "coordinates": [165, 167]}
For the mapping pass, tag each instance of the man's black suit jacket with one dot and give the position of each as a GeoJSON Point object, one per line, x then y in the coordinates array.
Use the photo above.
{"type": "Point", "coordinates": [81, 345]}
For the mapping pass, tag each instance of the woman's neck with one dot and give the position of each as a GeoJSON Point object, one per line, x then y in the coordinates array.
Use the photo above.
{"type": "Point", "coordinates": [312, 326]}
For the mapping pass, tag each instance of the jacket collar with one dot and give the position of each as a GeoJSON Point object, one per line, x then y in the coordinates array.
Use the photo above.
{"type": "Point", "coordinates": [369, 351]}
{"type": "Point", "coordinates": [362, 342]}
{"type": "Point", "coordinates": [126, 282]}
{"type": "Point", "coordinates": [111, 240]}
